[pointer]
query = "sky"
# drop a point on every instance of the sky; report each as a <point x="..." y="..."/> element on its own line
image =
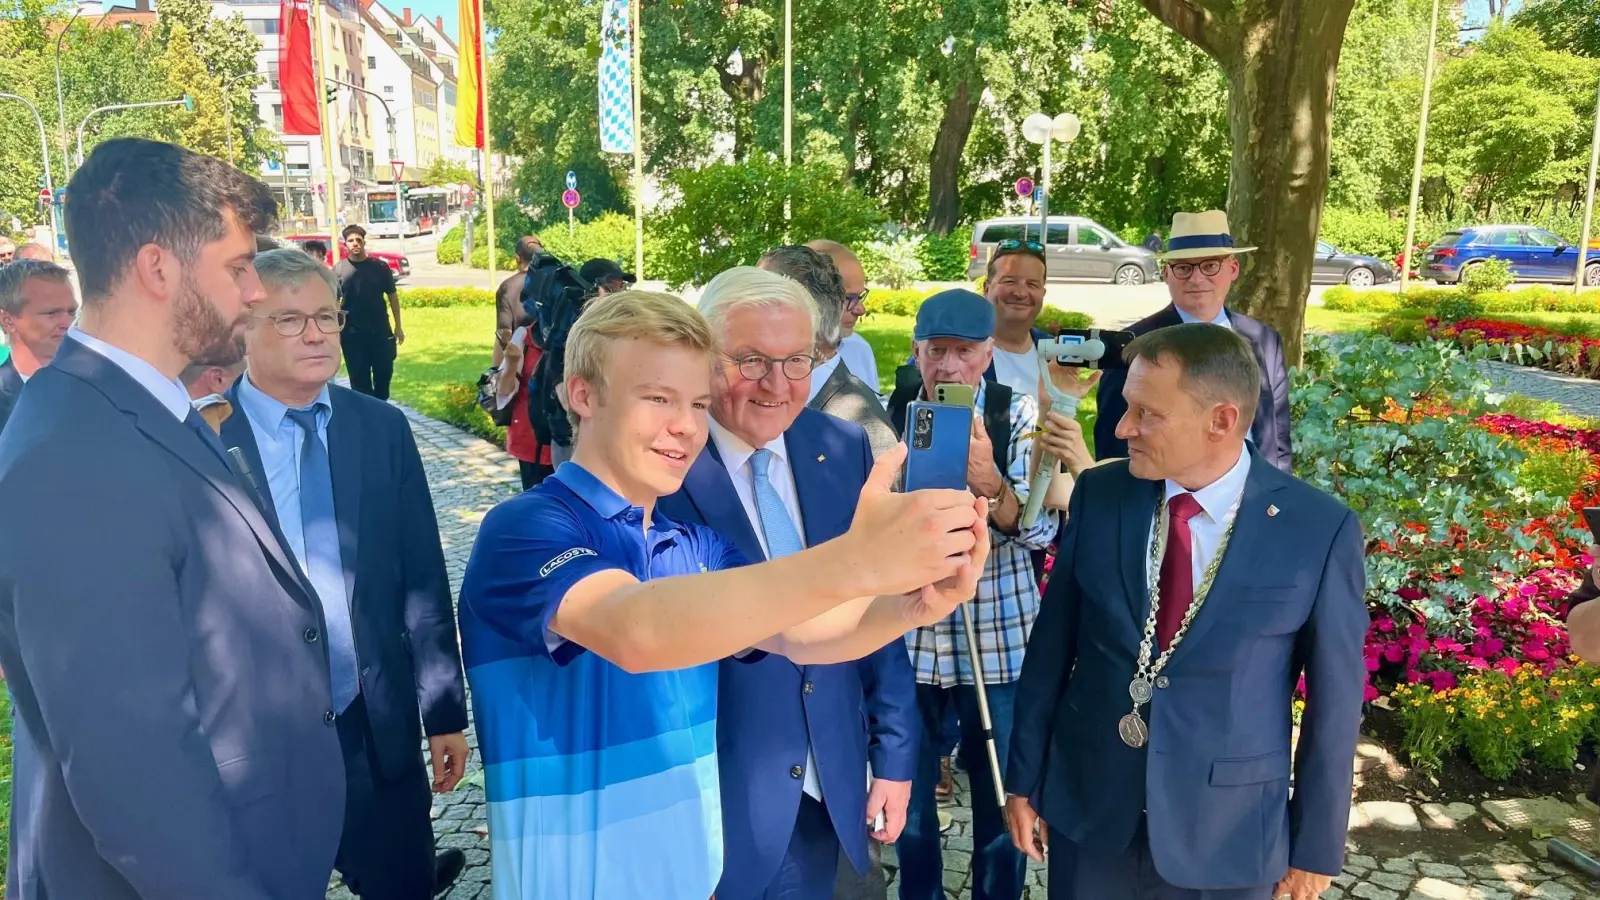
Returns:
<point x="428" y="9"/>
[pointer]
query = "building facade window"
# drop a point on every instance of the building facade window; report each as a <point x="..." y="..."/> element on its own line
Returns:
<point x="262" y="26"/>
<point x="277" y="116"/>
<point x="372" y="63"/>
<point x="272" y="74"/>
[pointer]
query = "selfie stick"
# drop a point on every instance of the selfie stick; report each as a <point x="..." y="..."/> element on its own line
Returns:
<point x="983" y="705"/>
<point x="1069" y="351"/>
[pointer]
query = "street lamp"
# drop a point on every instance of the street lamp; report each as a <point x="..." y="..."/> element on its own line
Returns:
<point x="61" y="104"/>
<point x="44" y="148"/>
<point x="1041" y="129"/>
<point x="394" y="154"/>
<point x="1416" y="165"/>
<point x="187" y="103"/>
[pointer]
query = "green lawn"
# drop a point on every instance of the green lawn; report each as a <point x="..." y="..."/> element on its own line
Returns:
<point x="443" y="347"/>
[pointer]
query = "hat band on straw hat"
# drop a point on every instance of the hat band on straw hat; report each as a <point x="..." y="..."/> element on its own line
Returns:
<point x="1199" y="241"/>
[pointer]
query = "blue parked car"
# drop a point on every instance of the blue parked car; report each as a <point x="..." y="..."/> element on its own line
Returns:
<point x="1534" y="254"/>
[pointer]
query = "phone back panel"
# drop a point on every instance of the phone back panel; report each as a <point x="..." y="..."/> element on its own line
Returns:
<point x="937" y="436"/>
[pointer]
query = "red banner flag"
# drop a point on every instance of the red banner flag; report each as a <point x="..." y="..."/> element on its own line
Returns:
<point x="297" y="81"/>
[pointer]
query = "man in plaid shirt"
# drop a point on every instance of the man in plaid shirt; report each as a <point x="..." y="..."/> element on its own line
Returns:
<point x="954" y="344"/>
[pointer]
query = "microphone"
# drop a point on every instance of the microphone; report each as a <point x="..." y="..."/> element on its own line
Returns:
<point x="244" y="468"/>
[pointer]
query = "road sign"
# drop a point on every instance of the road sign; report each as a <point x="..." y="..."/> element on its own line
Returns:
<point x="570" y="199"/>
<point x="1024" y="187"/>
<point x="1038" y="195"/>
<point x="572" y="181"/>
<point x="44" y="195"/>
<point x="399" y="169"/>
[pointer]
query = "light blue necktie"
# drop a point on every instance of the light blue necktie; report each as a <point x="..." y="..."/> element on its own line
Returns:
<point x="323" y="567"/>
<point x="782" y="539"/>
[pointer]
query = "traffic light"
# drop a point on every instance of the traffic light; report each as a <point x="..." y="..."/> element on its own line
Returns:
<point x="404" y="190"/>
<point x="41" y="182"/>
<point x="333" y="94"/>
<point x="188" y="103"/>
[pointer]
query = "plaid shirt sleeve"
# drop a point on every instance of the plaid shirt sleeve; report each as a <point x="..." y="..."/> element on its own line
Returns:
<point x="1008" y="594"/>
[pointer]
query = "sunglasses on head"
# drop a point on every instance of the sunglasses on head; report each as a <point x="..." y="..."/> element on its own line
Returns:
<point x="1012" y="245"/>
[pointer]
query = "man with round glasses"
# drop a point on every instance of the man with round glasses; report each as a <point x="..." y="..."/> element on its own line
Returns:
<point x="853" y="348"/>
<point x="794" y="742"/>
<point x="1200" y="266"/>
<point x="339" y="474"/>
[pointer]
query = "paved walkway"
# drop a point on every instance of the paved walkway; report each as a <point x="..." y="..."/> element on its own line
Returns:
<point x="1579" y="396"/>
<point x="469" y="476"/>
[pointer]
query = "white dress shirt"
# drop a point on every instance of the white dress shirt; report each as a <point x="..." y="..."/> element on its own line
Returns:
<point x="857" y="354"/>
<point x="1216" y="500"/>
<point x="170" y="393"/>
<point x="1221" y="319"/>
<point x="735" y="454"/>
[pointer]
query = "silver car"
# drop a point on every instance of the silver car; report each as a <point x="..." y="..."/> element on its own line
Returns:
<point x="1078" y="249"/>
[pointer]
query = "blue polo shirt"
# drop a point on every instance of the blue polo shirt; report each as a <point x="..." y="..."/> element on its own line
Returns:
<point x="602" y="785"/>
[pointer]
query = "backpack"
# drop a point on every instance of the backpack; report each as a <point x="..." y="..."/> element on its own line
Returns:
<point x="550" y="286"/>
<point x="545" y="413"/>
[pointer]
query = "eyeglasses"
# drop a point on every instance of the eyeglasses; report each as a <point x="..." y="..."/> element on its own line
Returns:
<point x="1182" y="270"/>
<point x="1012" y="245"/>
<point x="293" y="324"/>
<point x="852" y="301"/>
<point x="755" y="366"/>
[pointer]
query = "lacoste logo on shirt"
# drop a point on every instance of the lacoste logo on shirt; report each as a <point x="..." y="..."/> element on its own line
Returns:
<point x="563" y="559"/>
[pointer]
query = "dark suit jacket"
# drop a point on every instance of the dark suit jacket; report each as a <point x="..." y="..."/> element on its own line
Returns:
<point x="10" y="389"/>
<point x="849" y="398"/>
<point x="162" y="649"/>
<point x="767" y="710"/>
<point x="1269" y="432"/>
<point x="394" y="572"/>
<point x="1287" y="601"/>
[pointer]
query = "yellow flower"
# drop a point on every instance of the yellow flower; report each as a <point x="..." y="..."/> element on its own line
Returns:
<point x="1416" y="703"/>
<point x="1452" y="710"/>
<point x="1508" y="729"/>
<point x="1502" y="716"/>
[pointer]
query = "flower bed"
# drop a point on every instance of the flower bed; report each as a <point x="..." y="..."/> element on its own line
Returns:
<point x="1546" y="348"/>
<point x="1474" y="541"/>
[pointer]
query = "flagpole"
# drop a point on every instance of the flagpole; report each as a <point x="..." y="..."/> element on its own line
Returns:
<point x="318" y="20"/>
<point x="488" y="153"/>
<point x="638" y="140"/>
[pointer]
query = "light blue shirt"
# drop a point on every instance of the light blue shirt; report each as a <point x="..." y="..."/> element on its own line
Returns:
<point x="170" y="393"/>
<point x="279" y="440"/>
<point x="1221" y="319"/>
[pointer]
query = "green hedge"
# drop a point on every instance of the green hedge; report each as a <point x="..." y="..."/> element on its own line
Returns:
<point x="446" y="297"/>
<point x="1539" y="298"/>
<point x="1054" y="320"/>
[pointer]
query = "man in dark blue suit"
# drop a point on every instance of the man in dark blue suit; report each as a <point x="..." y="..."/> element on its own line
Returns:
<point x="36" y="309"/>
<point x="1195" y="585"/>
<point x="171" y="677"/>
<point x="1200" y="267"/>
<point x="340" y="474"/>
<point x="794" y="742"/>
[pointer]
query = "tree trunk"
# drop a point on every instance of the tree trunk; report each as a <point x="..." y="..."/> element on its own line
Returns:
<point x="944" y="164"/>
<point x="1280" y="57"/>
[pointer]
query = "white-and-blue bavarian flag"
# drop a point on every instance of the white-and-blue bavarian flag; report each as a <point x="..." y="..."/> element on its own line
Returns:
<point x="616" y="78"/>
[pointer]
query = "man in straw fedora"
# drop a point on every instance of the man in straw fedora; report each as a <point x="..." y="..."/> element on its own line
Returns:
<point x="1200" y="266"/>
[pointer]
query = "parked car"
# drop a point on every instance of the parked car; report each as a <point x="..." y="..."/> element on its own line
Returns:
<point x="399" y="264"/>
<point x="1533" y="253"/>
<point x="1334" y="266"/>
<point x="1078" y="249"/>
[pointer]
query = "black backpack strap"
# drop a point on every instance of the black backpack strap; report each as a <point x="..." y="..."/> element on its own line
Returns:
<point x="997" y="421"/>
<point x="907" y="387"/>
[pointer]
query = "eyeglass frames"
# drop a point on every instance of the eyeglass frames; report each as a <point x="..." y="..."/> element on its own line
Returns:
<point x="755" y="366"/>
<point x="293" y="324"/>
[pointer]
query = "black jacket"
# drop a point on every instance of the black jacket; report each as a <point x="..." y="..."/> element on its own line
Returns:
<point x="10" y="389"/>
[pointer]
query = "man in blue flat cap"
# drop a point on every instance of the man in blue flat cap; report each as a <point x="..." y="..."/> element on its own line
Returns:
<point x="954" y="344"/>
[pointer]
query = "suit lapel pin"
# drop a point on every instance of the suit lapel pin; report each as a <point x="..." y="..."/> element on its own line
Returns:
<point x="821" y="457"/>
<point x="1272" y="511"/>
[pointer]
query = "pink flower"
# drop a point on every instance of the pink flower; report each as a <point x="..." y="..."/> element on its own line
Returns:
<point x="1507" y="665"/>
<point x="1385" y="625"/>
<point x="1441" y="680"/>
<point x="1394" y="653"/>
<point x="1370" y="693"/>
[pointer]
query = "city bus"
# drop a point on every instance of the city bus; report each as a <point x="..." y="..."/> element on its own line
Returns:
<point x="425" y="209"/>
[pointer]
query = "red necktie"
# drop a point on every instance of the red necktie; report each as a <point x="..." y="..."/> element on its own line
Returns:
<point x="1177" y="568"/>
